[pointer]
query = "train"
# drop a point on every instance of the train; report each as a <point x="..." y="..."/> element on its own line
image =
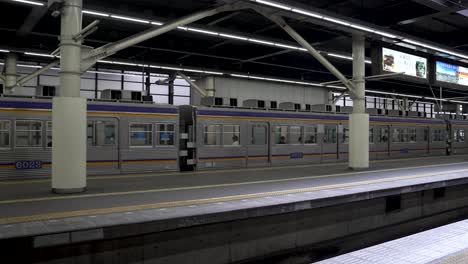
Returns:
<point x="127" y="138"/>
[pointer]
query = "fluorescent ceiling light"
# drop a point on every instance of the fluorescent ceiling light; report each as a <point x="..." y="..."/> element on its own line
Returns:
<point x="171" y="68"/>
<point x="273" y="4"/>
<point x="239" y="76"/>
<point x="4" y="51"/>
<point x="306" y="13"/>
<point x="286" y="46"/>
<point x="362" y="28"/>
<point x="130" y="19"/>
<point x="337" y="21"/>
<point x="29" y="2"/>
<point x="388" y="35"/>
<point x="94" y="13"/>
<point x="203" y="31"/>
<point x="29" y="66"/>
<point x="215" y="73"/>
<point x="156" y="23"/>
<point x="339" y="56"/>
<point x="233" y="36"/>
<point x="182" y="28"/>
<point x="40" y="54"/>
<point x="261" y="41"/>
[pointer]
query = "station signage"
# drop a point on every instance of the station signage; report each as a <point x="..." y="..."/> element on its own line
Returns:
<point x="397" y="61"/>
<point x="450" y="73"/>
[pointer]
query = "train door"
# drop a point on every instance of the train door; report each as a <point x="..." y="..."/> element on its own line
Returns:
<point x="427" y="139"/>
<point x="382" y="144"/>
<point x="343" y="142"/>
<point x="103" y="145"/>
<point x="258" y="150"/>
<point x="330" y="143"/>
<point x="449" y="138"/>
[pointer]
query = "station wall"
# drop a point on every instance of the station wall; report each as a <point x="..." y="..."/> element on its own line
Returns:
<point x="242" y="89"/>
<point x="93" y="82"/>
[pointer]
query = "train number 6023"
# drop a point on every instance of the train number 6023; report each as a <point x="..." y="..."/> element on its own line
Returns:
<point x="28" y="164"/>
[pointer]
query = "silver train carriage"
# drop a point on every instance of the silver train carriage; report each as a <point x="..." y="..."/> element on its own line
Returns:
<point x="138" y="138"/>
<point x="229" y="138"/>
<point x="121" y="138"/>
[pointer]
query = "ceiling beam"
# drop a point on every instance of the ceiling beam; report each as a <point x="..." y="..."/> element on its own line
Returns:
<point x="36" y="14"/>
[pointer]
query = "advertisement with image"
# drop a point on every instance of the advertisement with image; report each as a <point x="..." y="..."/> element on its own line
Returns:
<point x="450" y="73"/>
<point x="411" y="65"/>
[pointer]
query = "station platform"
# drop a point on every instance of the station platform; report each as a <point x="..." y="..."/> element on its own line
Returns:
<point x="444" y="245"/>
<point x="131" y="205"/>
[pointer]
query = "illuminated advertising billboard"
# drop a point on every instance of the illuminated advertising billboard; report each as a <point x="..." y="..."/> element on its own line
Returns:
<point x="411" y="65"/>
<point x="450" y="73"/>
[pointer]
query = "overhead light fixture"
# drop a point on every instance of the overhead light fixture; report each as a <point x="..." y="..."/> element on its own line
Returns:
<point x="307" y="13"/>
<point x="29" y="2"/>
<point x="346" y="57"/>
<point x="130" y="19"/>
<point x="4" y="51"/>
<point x="261" y="41"/>
<point x="233" y="36"/>
<point x="40" y="55"/>
<point x="203" y="31"/>
<point x="286" y="46"/>
<point x="273" y="4"/>
<point x="417" y="43"/>
<point x="94" y="13"/>
<point x="156" y="23"/>
<point x="212" y="72"/>
<point x="29" y="66"/>
<point x="337" y="21"/>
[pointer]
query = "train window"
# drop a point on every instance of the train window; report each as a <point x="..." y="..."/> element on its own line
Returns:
<point x="105" y="133"/>
<point x="231" y="135"/>
<point x="371" y="135"/>
<point x="330" y="135"/>
<point x="90" y="133"/>
<point x="281" y="135"/>
<point x="412" y="135"/>
<point x="165" y="134"/>
<point x="212" y="135"/>
<point x="455" y="135"/>
<point x="295" y="135"/>
<point x="383" y="135"/>
<point x="28" y="133"/>
<point x="141" y="134"/>
<point x="345" y="138"/>
<point x="49" y="134"/>
<point x="437" y="135"/>
<point x="259" y="135"/>
<point x="310" y="135"/>
<point x="403" y="135"/>
<point x="461" y="135"/>
<point x="4" y="134"/>
<point x="396" y="135"/>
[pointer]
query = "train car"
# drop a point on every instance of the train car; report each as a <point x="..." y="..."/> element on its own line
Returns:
<point x="121" y="137"/>
<point x="457" y="143"/>
<point x="236" y="137"/>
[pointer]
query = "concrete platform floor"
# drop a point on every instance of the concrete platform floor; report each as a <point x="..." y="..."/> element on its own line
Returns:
<point x="32" y="200"/>
<point x="444" y="245"/>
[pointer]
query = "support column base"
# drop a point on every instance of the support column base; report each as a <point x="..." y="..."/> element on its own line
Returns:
<point x="358" y="141"/>
<point x="68" y="191"/>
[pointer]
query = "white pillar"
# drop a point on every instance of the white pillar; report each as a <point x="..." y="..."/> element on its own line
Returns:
<point x="69" y="109"/>
<point x="11" y="74"/>
<point x="359" y="119"/>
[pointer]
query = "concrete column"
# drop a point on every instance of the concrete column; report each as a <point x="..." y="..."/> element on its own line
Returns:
<point x="210" y="86"/>
<point x="69" y="110"/>
<point x="11" y="74"/>
<point x="359" y="120"/>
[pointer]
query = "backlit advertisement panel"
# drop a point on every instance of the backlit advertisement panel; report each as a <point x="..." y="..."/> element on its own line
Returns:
<point x="450" y="73"/>
<point x="411" y="65"/>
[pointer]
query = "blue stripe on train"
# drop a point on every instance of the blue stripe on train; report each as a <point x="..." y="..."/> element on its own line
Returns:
<point x="91" y="107"/>
<point x="304" y="116"/>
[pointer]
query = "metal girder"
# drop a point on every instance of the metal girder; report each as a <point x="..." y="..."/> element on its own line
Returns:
<point x="36" y="14"/>
<point x="185" y="77"/>
<point x="36" y="73"/>
<point x="107" y="50"/>
<point x="297" y="37"/>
